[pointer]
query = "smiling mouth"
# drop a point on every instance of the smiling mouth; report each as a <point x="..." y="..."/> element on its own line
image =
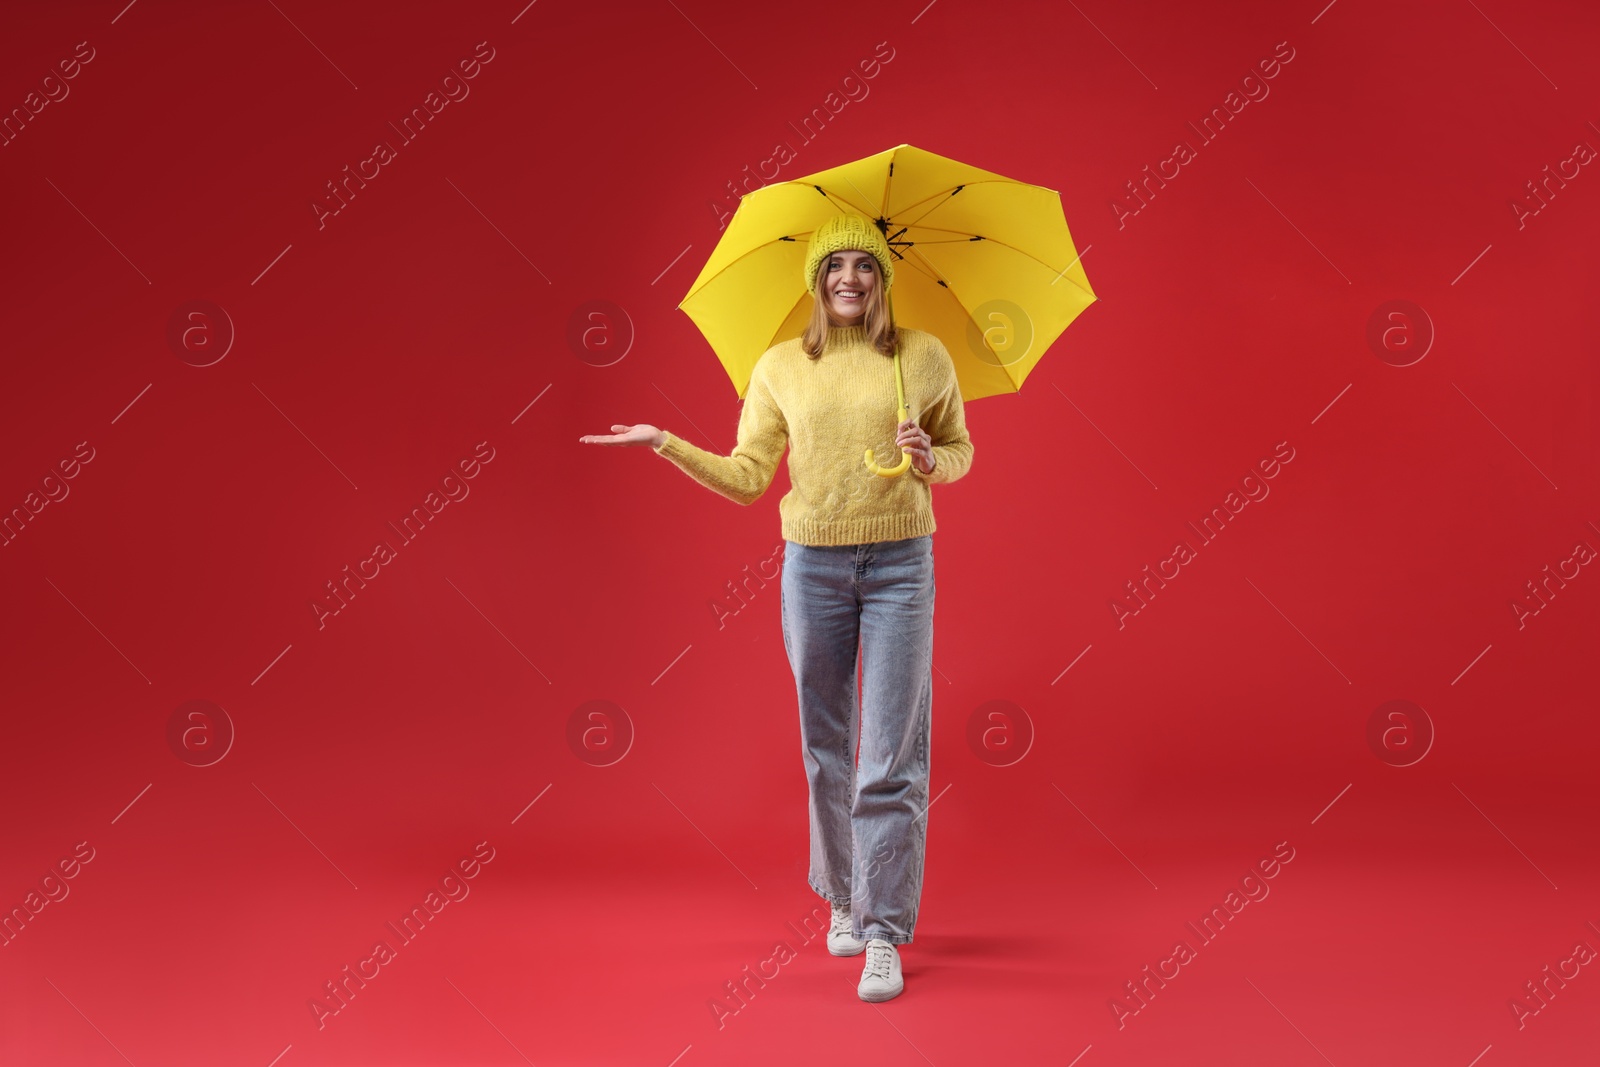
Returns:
<point x="847" y="294"/>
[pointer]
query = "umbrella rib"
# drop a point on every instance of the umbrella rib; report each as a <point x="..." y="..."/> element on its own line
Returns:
<point x="1076" y="259"/>
<point x="947" y="193"/>
<point x="752" y="250"/>
<point x="888" y="177"/>
<point x="950" y="290"/>
<point x="930" y="273"/>
<point x="991" y="240"/>
<point x="831" y="197"/>
<point x="935" y="275"/>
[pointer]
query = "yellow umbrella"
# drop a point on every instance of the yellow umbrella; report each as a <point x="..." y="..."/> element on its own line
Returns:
<point x="982" y="261"/>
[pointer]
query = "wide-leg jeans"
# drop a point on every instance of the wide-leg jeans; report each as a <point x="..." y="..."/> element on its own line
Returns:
<point x="869" y="822"/>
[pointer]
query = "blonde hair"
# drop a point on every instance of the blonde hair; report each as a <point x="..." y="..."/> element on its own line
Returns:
<point x="881" y="331"/>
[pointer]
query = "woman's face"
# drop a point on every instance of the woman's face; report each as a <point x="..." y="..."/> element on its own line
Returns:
<point x="848" y="284"/>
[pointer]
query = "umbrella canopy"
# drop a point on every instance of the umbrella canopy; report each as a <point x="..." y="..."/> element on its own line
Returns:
<point x="983" y="262"/>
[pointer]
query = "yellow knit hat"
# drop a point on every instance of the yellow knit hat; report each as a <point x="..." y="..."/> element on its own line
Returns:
<point x="844" y="231"/>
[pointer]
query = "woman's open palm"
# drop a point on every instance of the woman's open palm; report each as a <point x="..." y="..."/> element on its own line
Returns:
<point x="640" y="434"/>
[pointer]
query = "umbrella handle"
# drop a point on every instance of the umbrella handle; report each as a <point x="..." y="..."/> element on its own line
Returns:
<point x="898" y="469"/>
<point x="900" y="394"/>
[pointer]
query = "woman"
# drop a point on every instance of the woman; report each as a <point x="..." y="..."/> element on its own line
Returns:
<point x="858" y="567"/>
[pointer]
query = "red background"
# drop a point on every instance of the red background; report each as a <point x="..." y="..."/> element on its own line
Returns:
<point x="433" y="313"/>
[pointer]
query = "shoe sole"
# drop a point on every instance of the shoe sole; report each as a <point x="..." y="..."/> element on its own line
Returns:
<point x="878" y="998"/>
<point x="851" y="952"/>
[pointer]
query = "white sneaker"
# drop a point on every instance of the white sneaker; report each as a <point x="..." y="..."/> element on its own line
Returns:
<point x="881" y="979"/>
<point x="840" y="940"/>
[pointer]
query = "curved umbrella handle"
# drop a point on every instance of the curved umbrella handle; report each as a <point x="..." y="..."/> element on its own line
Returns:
<point x="905" y="457"/>
<point x="900" y="395"/>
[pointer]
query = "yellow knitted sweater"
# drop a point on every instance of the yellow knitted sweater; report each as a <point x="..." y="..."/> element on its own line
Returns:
<point x="830" y="410"/>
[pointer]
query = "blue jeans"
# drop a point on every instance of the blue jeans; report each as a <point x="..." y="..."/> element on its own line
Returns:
<point x="868" y="823"/>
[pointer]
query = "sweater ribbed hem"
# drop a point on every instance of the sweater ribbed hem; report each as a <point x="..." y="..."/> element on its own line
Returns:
<point x="861" y="531"/>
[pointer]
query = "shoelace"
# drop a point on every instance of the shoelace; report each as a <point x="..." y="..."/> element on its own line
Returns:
<point x="879" y="958"/>
<point x="841" y="920"/>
